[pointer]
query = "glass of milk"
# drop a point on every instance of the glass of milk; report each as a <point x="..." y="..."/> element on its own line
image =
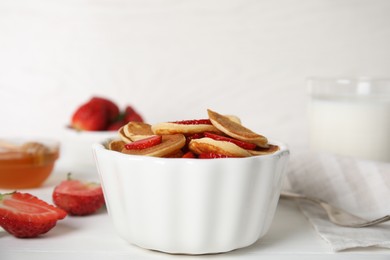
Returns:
<point x="350" y="116"/>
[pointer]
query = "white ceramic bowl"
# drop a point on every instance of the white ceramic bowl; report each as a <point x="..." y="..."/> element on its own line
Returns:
<point x="191" y="206"/>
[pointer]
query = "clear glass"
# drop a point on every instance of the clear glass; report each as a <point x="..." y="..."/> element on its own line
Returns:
<point x="350" y="116"/>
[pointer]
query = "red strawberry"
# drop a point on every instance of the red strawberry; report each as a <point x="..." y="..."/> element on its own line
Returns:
<point x="242" y="144"/>
<point x="90" y="117"/>
<point x="111" y="108"/>
<point x="144" y="143"/>
<point x="194" y="122"/>
<point x="130" y="115"/>
<point x="189" y="138"/>
<point x="194" y="136"/>
<point x="24" y="215"/>
<point x="78" y="198"/>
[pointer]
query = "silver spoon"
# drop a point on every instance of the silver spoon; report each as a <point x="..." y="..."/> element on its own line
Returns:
<point x="337" y="216"/>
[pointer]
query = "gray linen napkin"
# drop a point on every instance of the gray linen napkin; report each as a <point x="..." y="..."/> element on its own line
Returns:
<point x="358" y="186"/>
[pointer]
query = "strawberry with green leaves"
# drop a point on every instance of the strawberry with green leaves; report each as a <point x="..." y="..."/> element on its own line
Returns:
<point x="25" y="216"/>
<point x="78" y="198"/>
<point x="102" y="114"/>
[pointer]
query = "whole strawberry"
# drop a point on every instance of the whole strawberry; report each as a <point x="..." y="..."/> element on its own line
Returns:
<point x="90" y="117"/>
<point x="78" y="198"/>
<point x="25" y="216"/>
<point x="111" y="108"/>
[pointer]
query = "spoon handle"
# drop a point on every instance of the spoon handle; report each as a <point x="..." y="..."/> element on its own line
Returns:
<point x="291" y="195"/>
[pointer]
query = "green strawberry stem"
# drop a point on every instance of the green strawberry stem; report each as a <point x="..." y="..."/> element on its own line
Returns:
<point x="2" y="195"/>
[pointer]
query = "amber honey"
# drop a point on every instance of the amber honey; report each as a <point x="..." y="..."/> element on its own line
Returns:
<point x="21" y="169"/>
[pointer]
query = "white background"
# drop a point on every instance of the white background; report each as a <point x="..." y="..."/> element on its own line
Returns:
<point x="172" y="59"/>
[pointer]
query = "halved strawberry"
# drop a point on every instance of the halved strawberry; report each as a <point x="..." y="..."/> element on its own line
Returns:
<point x="212" y="156"/>
<point x="144" y="143"/>
<point x="242" y="144"/>
<point x="194" y="122"/>
<point x="24" y="215"/>
<point x="89" y="117"/>
<point x="194" y="136"/>
<point x="111" y="108"/>
<point x="78" y="198"/>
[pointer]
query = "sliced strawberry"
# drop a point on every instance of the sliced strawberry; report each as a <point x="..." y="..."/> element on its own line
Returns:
<point x="111" y="108"/>
<point x="89" y="117"/>
<point x="242" y="144"/>
<point x="144" y="143"/>
<point x="194" y="136"/>
<point x="194" y="122"/>
<point x="189" y="138"/>
<point x="212" y="156"/>
<point x="189" y="154"/>
<point x="78" y="198"/>
<point x="130" y="115"/>
<point x="24" y="215"/>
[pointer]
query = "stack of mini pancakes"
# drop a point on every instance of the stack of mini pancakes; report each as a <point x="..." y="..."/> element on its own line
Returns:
<point x="183" y="136"/>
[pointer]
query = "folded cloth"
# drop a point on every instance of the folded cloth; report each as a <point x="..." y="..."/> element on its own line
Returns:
<point x="358" y="186"/>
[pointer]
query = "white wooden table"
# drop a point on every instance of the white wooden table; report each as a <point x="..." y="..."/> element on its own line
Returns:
<point x="93" y="237"/>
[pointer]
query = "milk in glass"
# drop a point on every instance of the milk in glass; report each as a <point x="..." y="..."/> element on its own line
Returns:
<point x="350" y="117"/>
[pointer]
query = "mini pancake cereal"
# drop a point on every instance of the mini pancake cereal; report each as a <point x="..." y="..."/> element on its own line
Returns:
<point x="218" y="136"/>
<point x="137" y="130"/>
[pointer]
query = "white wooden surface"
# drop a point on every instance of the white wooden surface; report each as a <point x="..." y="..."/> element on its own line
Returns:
<point x="173" y="59"/>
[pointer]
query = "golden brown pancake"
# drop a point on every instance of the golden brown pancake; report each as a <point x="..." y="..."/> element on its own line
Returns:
<point x="116" y="145"/>
<point x="264" y="151"/>
<point x="174" y="128"/>
<point x="123" y="136"/>
<point x="137" y="130"/>
<point x="208" y="145"/>
<point x="236" y="130"/>
<point x="175" y="154"/>
<point x="234" y="118"/>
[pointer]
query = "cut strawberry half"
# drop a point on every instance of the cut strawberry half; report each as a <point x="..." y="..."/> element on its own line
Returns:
<point x="144" y="143"/>
<point x="194" y="122"/>
<point x="24" y="215"/>
<point x="212" y="156"/>
<point x="78" y="198"/>
<point x="242" y="144"/>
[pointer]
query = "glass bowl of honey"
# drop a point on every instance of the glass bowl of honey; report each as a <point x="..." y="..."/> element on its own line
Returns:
<point x="26" y="163"/>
